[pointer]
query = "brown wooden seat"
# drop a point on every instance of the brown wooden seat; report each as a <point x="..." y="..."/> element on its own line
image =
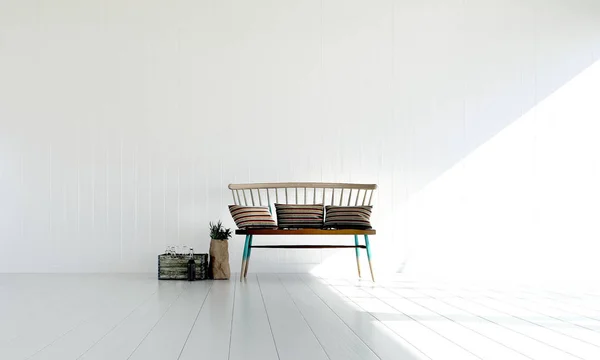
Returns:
<point x="305" y="232"/>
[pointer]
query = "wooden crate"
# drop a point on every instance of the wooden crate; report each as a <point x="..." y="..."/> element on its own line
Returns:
<point x="175" y="268"/>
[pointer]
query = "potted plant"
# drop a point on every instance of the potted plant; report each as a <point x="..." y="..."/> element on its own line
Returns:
<point x="219" y="251"/>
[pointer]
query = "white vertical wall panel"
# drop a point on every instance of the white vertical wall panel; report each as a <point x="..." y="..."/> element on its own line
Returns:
<point x="122" y="122"/>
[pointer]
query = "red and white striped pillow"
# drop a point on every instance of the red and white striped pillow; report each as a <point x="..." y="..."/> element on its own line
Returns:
<point x="251" y="217"/>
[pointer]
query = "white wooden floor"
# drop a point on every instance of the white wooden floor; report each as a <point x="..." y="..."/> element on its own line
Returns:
<point x="110" y="317"/>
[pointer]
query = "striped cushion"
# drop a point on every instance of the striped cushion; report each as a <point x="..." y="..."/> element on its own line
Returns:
<point x="251" y="217"/>
<point x="348" y="217"/>
<point x="299" y="216"/>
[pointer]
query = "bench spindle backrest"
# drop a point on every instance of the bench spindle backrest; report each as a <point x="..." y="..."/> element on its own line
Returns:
<point x="303" y="193"/>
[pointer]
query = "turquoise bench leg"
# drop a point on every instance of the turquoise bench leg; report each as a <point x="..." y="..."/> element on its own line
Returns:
<point x="369" y="256"/>
<point x="357" y="255"/>
<point x="248" y="257"/>
<point x="244" y="257"/>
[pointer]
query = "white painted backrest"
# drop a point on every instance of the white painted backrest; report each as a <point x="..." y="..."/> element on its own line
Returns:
<point x="265" y="194"/>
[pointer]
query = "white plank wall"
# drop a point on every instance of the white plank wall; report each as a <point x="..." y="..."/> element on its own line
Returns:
<point x="122" y="122"/>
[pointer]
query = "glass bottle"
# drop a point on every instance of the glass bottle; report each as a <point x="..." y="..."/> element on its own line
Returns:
<point x="191" y="266"/>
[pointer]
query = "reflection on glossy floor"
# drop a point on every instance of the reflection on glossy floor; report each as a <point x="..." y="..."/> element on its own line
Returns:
<point x="287" y="316"/>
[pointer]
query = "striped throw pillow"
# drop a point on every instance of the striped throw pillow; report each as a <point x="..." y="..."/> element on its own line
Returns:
<point x="300" y="216"/>
<point x="348" y="217"/>
<point x="251" y="217"/>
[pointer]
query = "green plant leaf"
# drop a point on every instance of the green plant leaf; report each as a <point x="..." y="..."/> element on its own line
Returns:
<point x="218" y="232"/>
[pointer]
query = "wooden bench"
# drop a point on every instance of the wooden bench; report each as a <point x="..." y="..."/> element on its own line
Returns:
<point x="266" y="194"/>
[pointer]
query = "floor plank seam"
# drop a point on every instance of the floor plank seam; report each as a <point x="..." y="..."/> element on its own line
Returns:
<point x="195" y="320"/>
<point x="117" y="325"/>
<point x="546" y="315"/>
<point x="493" y="322"/>
<point x="462" y="325"/>
<point x="530" y="322"/>
<point x="558" y="302"/>
<point x="232" y="317"/>
<point x="157" y="322"/>
<point x="389" y="328"/>
<point x="268" y="319"/>
<point x="85" y="320"/>
<point x="16" y="336"/>
<point x="526" y="309"/>
<point x="339" y="317"/>
<point x="56" y="339"/>
<point x="565" y="310"/>
<point x="303" y="317"/>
